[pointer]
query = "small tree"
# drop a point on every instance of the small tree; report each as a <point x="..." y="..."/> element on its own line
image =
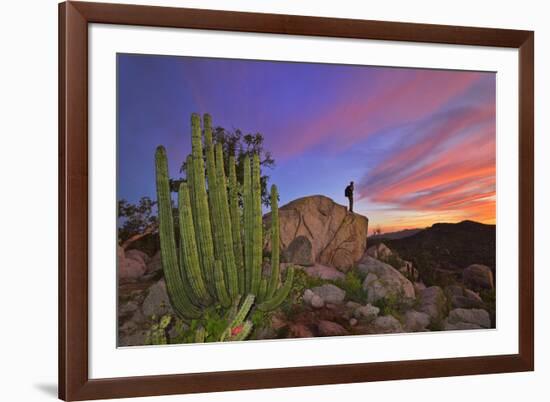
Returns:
<point x="234" y="143"/>
<point x="136" y="220"/>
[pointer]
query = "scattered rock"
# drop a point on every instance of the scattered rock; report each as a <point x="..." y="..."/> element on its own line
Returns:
<point x="470" y="294"/>
<point x="432" y="301"/>
<point x="137" y="338"/>
<point x="419" y="287"/>
<point x="329" y="328"/>
<point x="298" y="252"/>
<point x="138" y="255"/>
<point x="353" y="322"/>
<point x="387" y="325"/>
<point x="313" y="299"/>
<point x="299" y="330"/>
<point x="155" y="263"/>
<point x="366" y="313"/>
<point x="352" y="305"/>
<point x="459" y="326"/>
<point x="129" y="269"/>
<point x="463" y="298"/>
<point x="382" y="281"/>
<point x="478" y="276"/>
<point x="127" y="308"/>
<point x="337" y="237"/>
<point x="317" y="301"/>
<point x="416" y="321"/>
<point x="308" y="294"/>
<point x="138" y="317"/>
<point x="379" y="251"/>
<point x="477" y="317"/>
<point x="330" y="293"/>
<point x="324" y="272"/>
<point x="157" y="302"/>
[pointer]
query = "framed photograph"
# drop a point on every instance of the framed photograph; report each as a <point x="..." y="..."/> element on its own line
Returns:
<point x="258" y="200"/>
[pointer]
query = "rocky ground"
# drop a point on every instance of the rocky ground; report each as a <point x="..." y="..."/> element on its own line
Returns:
<point x="341" y="287"/>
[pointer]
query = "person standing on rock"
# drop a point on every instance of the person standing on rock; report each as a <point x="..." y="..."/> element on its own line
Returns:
<point x="349" y="194"/>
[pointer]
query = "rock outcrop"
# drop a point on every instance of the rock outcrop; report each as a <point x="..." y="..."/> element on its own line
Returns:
<point x="478" y="276"/>
<point x="433" y="302"/>
<point x="131" y="264"/>
<point x="384" y="281"/>
<point x="460" y="318"/>
<point x="463" y="298"/>
<point x="337" y="237"/>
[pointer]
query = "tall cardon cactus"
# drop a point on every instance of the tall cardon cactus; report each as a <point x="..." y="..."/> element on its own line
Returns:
<point x="219" y="256"/>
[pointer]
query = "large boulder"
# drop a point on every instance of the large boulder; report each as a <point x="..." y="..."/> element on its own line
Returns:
<point x="338" y="238"/>
<point x="324" y="272"/>
<point x="416" y="321"/>
<point x="463" y="298"/>
<point x="461" y="318"/>
<point x="314" y="300"/>
<point x="433" y="302"/>
<point x="330" y="293"/>
<point x="155" y="263"/>
<point x="383" y="253"/>
<point x="478" y="276"/>
<point x="379" y="251"/>
<point x="138" y="255"/>
<point x="366" y="313"/>
<point x="387" y="324"/>
<point x="330" y="328"/>
<point x="157" y="301"/>
<point x="384" y="281"/>
<point x="129" y="269"/>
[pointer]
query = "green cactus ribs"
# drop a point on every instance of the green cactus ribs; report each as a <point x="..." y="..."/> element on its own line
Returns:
<point x="217" y="257"/>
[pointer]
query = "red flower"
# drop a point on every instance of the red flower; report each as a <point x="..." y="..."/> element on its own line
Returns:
<point x="236" y="330"/>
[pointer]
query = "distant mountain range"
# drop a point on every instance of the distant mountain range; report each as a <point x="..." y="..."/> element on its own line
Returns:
<point x="395" y="235"/>
<point x="445" y="247"/>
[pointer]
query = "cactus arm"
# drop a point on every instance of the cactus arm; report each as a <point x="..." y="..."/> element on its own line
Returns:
<point x="236" y="223"/>
<point x="176" y="290"/>
<point x="281" y="294"/>
<point x="247" y="206"/>
<point x="188" y="245"/>
<point x="256" y="225"/>
<point x="190" y="181"/>
<point x="219" y="282"/>
<point x="239" y="316"/>
<point x="230" y="268"/>
<point x="274" y="278"/>
<point x="262" y="291"/>
<point x="247" y="304"/>
<point x="245" y="331"/>
<point x="213" y="187"/>
<point x="203" y="231"/>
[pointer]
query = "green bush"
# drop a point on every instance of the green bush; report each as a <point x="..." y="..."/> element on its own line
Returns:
<point x="353" y="285"/>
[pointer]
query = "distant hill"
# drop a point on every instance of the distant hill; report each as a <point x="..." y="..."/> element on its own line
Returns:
<point x="395" y="235"/>
<point x="446" y="247"/>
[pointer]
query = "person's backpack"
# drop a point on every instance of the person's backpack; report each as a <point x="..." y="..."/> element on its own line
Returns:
<point x="347" y="192"/>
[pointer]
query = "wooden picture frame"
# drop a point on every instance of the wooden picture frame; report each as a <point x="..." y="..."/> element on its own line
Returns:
<point x="74" y="381"/>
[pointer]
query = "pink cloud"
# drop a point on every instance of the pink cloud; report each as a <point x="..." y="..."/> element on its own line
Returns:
<point x="396" y="97"/>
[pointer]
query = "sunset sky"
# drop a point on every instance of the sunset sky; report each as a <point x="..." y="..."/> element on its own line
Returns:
<point x="419" y="144"/>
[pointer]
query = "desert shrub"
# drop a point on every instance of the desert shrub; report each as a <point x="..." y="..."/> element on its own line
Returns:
<point x="392" y="304"/>
<point x="353" y="285"/>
